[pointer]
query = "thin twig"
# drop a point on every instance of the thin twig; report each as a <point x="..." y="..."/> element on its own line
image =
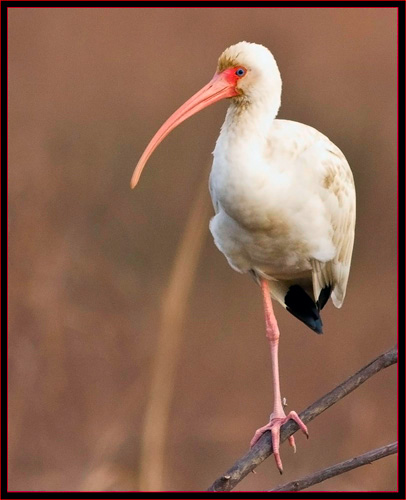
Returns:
<point x="335" y="470"/>
<point x="263" y="448"/>
<point x="174" y="306"/>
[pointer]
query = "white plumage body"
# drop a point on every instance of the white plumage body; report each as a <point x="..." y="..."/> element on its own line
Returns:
<point x="285" y="204"/>
<point x="283" y="193"/>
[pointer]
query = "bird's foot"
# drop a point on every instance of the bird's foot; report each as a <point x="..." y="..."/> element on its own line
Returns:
<point x="274" y="425"/>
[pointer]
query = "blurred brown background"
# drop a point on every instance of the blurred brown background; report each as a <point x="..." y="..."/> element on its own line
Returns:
<point x="90" y="260"/>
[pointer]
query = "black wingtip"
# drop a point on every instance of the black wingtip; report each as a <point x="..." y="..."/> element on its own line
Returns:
<point x="318" y="327"/>
<point x="303" y="307"/>
<point x="324" y="295"/>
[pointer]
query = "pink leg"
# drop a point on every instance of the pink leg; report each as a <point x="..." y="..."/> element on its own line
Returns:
<point x="278" y="416"/>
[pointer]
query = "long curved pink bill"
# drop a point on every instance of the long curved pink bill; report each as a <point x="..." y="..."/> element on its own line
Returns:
<point x="218" y="88"/>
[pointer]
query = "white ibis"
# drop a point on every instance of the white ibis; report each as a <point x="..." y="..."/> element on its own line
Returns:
<point x="284" y="199"/>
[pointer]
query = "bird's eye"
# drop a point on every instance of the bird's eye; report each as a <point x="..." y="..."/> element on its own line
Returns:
<point x="240" y="72"/>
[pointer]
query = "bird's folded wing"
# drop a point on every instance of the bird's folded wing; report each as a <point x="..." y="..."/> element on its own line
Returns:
<point x="338" y="185"/>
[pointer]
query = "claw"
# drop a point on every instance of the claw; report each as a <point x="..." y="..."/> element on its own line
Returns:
<point x="278" y="462"/>
<point x="292" y="443"/>
<point x="258" y="434"/>
<point x="275" y="431"/>
<point x="294" y="416"/>
<point x="274" y="426"/>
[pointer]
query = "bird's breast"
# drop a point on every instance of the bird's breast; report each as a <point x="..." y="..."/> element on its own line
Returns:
<point x="249" y="188"/>
<point x="267" y="217"/>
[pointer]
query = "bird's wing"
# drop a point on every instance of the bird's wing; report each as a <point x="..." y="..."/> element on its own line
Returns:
<point x="336" y="188"/>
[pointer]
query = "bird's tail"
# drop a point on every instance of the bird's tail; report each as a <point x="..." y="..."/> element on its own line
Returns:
<point x="298" y="301"/>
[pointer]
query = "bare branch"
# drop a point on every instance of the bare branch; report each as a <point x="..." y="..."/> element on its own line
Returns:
<point x="335" y="470"/>
<point x="263" y="448"/>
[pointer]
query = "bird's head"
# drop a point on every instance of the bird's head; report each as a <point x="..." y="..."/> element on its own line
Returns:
<point x="253" y="71"/>
<point x="246" y="73"/>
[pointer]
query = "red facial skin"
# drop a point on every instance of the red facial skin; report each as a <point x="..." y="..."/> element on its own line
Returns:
<point x="231" y="77"/>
